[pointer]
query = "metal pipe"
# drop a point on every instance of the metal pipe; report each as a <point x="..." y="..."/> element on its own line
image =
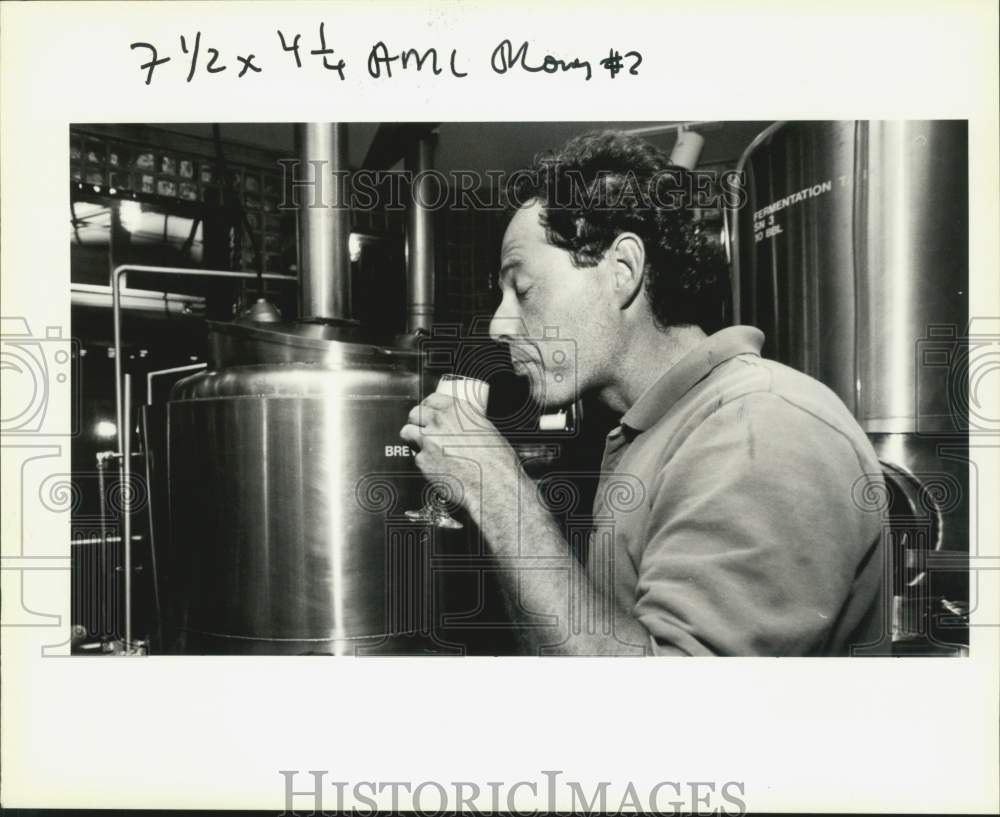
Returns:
<point x="173" y="370"/>
<point x="126" y="499"/>
<point x="653" y="130"/>
<point x="166" y="304"/>
<point x="101" y="485"/>
<point x="420" y="240"/>
<point x="733" y="221"/>
<point x="324" y="221"/>
<point x="116" y="307"/>
<point x="152" y="531"/>
<point x="121" y="400"/>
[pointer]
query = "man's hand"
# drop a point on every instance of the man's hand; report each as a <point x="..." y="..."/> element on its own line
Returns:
<point x="456" y="444"/>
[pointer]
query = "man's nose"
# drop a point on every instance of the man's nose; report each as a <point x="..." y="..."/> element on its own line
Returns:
<point x="506" y="324"/>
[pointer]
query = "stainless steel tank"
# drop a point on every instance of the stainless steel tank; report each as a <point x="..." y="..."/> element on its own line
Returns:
<point x="288" y="484"/>
<point x="851" y="254"/>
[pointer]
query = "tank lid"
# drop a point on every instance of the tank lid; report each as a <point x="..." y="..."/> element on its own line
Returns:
<point x="335" y="345"/>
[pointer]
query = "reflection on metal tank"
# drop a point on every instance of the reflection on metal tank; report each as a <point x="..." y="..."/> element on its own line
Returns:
<point x="287" y="532"/>
<point x="851" y="254"/>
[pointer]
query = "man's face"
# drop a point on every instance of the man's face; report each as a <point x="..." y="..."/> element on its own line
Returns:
<point x="556" y="317"/>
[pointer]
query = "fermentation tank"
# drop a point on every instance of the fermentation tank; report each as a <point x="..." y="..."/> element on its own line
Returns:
<point x="287" y="483"/>
<point x="851" y="254"/>
<point x="288" y="486"/>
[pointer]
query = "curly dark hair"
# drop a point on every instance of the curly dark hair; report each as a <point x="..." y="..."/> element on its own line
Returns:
<point x="604" y="183"/>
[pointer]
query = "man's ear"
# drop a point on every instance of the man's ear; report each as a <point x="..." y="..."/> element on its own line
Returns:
<point x="627" y="255"/>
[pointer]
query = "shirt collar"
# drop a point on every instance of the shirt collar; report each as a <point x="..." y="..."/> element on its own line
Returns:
<point x="683" y="375"/>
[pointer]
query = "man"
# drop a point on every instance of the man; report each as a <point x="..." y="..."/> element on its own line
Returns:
<point x="736" y="527"/>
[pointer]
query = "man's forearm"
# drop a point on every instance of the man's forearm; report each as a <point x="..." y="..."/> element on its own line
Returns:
<point x="550" y="596"/>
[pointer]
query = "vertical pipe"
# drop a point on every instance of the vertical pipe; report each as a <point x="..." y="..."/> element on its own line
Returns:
<point x="420" y="240"/>
<point x="102" y="552"/>
<point x="152" y="527"/>
<point x="746" y="313"/>
<point x="126" y="502"/>
<point x="324" y="221"/>
<point x="117" y="276"/>
<point x="123" y="395"/>
<point x="859" y="263"/>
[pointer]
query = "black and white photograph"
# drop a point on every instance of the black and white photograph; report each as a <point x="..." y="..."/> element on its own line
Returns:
<point x="471" y="407"/>
<point x="700" y="382"/>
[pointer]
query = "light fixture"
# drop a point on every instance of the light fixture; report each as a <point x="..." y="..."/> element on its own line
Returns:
<point x="687" y="149"/>
<point x="105" y="429"/>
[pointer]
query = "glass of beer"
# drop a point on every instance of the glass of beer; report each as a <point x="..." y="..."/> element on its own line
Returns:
<point x="476" y="393"/>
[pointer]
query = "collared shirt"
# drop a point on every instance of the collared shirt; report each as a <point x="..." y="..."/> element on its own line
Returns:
<point x="730" y="517"/>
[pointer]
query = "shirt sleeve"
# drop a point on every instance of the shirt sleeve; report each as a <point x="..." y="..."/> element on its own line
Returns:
<point x="755" y="537"/>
